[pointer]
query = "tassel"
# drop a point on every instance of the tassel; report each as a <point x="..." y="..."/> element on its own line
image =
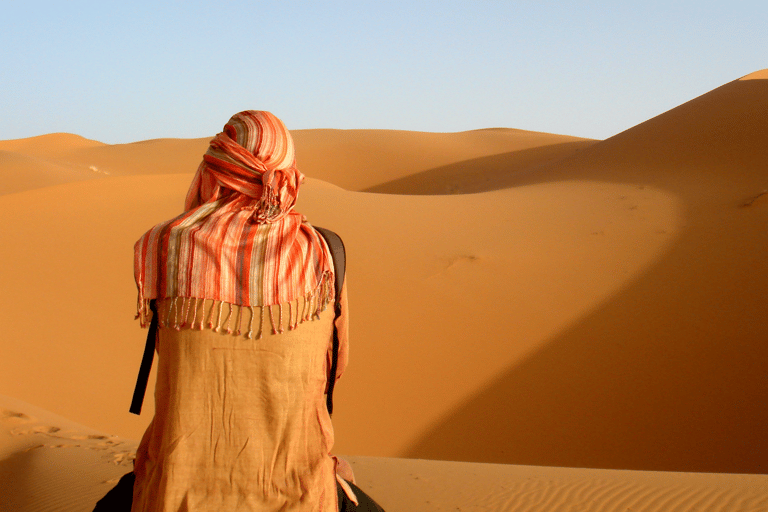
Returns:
<point x="202" y="313"/>
<point x="177" y="311"/>
<point x="218" y="318"/>
<point x="140" y="315"/>
<point x="142" y="308"/>
<point x="250" y="325"/>
<point x="228" y="319"/>
<point x="272" y="319"/>
<point x="239" y="320"/>
<point x="168" y="316"/>
<point x="184" y="306"/>
<point x="194" y="316"/>
<point x="210" y="314"/>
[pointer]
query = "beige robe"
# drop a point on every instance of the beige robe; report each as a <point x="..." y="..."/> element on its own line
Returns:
<point x="241" y="424"/>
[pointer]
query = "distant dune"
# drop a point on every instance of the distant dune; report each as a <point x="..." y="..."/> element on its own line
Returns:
<point x="516" y="298"/>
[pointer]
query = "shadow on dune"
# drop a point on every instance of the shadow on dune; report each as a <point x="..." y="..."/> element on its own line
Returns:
<point x="17" y="488"/>
<point x="670" y="373"/>
<point x="483" y="174"/>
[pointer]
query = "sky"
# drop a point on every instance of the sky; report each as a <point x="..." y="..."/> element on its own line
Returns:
<point x="120" y="72"/>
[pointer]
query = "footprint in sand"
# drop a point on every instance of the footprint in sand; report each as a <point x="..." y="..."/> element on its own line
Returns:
<point x="117" y="454"/>
<point x="124" y="458"/>
<point x="41" y="429"/>
<point x="8" y="416"/>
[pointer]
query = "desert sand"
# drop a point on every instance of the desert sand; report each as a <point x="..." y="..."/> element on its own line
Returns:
<point x="574" y="324"/>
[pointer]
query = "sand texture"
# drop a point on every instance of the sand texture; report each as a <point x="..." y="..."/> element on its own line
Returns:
<point x="518" y="299"/>
<point x="51" y="464"/>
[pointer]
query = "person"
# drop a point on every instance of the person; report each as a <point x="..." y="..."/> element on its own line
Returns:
<point x="240" y="283"/>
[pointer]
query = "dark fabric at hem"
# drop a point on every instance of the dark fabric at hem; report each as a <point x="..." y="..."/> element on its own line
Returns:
<point x="366" y="503"/>
<point x="119" y="498"/>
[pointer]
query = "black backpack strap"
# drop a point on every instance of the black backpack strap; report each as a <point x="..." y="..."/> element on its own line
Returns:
<point x="146" y="362"/>
<point x="338" y="253"/>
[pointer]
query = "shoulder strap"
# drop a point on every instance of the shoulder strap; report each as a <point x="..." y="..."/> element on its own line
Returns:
<point x="146" y="362"/>
<point x="338" y="253"/>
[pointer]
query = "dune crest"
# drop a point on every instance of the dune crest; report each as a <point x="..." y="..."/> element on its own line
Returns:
<point x="51" y="143"/>
<point x="366" y="159"/>
<point x="757" y="75"/>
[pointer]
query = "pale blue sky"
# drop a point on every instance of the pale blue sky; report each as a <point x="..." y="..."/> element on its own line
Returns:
<point x="129" y="71"/>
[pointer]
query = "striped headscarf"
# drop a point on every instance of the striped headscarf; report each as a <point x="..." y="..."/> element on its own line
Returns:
<point x="238" y="242"/>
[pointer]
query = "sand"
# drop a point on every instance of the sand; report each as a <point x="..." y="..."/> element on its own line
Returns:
<point x="521" y="303"/>
<point x="49" y="463"/>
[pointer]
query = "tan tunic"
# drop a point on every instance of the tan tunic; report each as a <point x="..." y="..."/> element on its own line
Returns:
<point x="241" y="424"/>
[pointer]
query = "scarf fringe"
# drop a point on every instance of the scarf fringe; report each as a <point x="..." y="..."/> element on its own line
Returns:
<point x="224" y="317"/>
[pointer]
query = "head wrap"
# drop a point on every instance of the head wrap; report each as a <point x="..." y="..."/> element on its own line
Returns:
<point x="238" y="242"/>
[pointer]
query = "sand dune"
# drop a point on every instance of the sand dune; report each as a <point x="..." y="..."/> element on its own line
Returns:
<point x="22" y="172"/>
<point x="58" y="158"/>
<point x="466" y="285"/>
<point x="351" y="159"/>
<point x="482" y="174"/>
<point x="362" y="159"/>
<point x="600" y="304"/>
<point x="669" y="373"/>
<point x="48" y="463"/>
<point x="52" y="145"/>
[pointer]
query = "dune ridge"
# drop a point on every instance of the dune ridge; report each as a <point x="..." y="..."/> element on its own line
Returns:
<point x="363" y="159"/>
<point x="484" y="174"/>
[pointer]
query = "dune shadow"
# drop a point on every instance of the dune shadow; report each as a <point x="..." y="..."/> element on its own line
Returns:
<point x="670" y="373"/>
<point x="482" y="174"/>
<point x="17" y="486"/>
<point x="652" y="381"/>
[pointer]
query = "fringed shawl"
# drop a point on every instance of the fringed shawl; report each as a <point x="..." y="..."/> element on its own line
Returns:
<point x="238" y="242"/>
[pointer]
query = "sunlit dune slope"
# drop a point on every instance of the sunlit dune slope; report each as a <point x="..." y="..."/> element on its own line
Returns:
<point x="389" y="161"/>
<point x="21" y="172"/>
<point x="670" y="372"/>
<point x="157" y="156"/>
<point x="455" y="273"/>
<point x="471" y="265"/>
<point x="482" y="174"/>
<point x="715" y="137"/>
<point x="37" y="161"/>
<point x="395" y="161"/>
<point x="62" y="158"/>
<point x="52" y="145"/>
